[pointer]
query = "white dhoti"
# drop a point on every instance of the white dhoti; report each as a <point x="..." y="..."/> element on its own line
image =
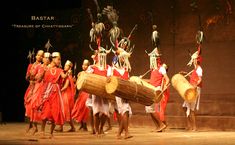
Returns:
<point x="193" y="105"/>
<point x="89" y="101"/>
<point x="123" y="106"/>
<point x="151" y="108"/>
<point x="100" y="105"/>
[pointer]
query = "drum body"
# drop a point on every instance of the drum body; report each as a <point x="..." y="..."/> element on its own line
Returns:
<point x="184" y="88"/>
<point x="158" y="91"/>
<point x="133" y="91"/>
<point x="93" y="84"/>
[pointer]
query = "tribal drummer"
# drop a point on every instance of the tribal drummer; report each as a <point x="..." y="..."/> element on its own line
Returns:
<point x="121" y="68"/>
<point x="196" y="81"/>
<point x="100" y="106"/>
<point x="160" y="80"/>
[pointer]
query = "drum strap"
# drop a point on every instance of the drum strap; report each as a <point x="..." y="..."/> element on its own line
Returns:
<point x="137" y="99"/>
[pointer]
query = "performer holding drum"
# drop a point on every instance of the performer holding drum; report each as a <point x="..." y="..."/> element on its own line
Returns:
<point x="196" y="81"/>
<point x="190" y="91"/>
<point x="100" y="105"/>
<point x="121" y="68"/>
<point x="160" y="81"/>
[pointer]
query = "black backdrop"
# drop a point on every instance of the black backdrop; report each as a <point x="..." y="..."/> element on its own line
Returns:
<point x="15" y="44"/>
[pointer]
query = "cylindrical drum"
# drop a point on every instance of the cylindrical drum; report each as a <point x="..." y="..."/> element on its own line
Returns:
<point x="132" y="91"/>
<point x="184" y="88"/>
<point x="93" y="84"/>
<point x="142" y="82"/>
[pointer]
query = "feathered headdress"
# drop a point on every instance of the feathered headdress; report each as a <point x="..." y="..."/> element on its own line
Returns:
<point x="113" y="17"/>
<point x="155" y="36"/>
<point x="33" y="54"/>
<point x="48" y="45"/>
<point x="199" y="37"/>
<point x="30" y="56"/>
<point x="111" y="14"/>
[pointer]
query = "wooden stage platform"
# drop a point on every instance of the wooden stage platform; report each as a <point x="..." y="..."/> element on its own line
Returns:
<point x="14" y="134"/>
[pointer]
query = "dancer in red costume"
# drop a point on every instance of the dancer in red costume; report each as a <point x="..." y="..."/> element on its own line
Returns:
<point x="157" y="78"/>
<point x="68" y="93"/>
<point x="52" y="108"/>
<point x="35" y="115"/>
<point x="160" y="107"/>
<point x="100" y="106"/>
<point x="30" y="76"/>
<point x="196" y="80"/>
<point x="80" y="112"/>
<point x="121" y="69"/>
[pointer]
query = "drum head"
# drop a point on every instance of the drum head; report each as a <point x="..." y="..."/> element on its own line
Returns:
<point x="80" y="80"/>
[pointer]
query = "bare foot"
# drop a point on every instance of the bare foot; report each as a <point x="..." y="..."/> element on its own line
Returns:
<point x="119" y="136"/>
<point x="107" y="129"/>
<point x="72" y="130"/>
<point x="85" y="129"/>
<point x="51" y="136"/>
<point x="154" y="130"/>
<point x="101" y="132"/>
<point x="194" y="130"/>
<point x="188" y="128"/>
<point x="59" y="130"/>
<point x="35" y="130"/>
<point x="93" y="132"/>
<point x="42" y="135"/>
<point x="127" y="136"/>
<point x="28" y="128"/>
<point x="161" y="128"/>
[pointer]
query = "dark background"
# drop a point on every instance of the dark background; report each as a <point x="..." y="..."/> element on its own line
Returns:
<point x="177" y="20"/>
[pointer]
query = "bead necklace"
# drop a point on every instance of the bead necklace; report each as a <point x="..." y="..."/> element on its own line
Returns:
<point x="53" y="73"/>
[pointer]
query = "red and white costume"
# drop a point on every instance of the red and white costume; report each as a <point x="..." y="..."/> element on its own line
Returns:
<point x="156" y="79"/>
<point x="52" y="107"/>
<point x="193" y="80"/>
<point x="99" y="104"/>
<point x="122" y="104"/>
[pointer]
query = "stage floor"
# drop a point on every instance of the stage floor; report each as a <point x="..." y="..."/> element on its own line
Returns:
<point x="14" y="134"/>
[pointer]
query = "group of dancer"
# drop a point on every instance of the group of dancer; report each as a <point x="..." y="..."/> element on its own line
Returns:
<point x="50" y="94"/>
<point x="49" y="98"/>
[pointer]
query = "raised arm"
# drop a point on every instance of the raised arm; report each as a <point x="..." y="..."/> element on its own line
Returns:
<point x="64" y="75"/>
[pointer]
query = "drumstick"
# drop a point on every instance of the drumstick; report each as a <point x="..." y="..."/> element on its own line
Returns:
<point x="188" y="73"/>
<point x="146" y="73"/>
<point x="164" y="90"/>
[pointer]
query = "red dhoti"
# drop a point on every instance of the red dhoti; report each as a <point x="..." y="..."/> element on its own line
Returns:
<point x="52" y="103"/>
<point x="160" y="108"/>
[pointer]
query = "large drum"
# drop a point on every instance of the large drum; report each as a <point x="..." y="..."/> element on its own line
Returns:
<point x="142" y="82"/>
<point x="93" y="84"/>
<point x="184" y="88"/>
<point x="132" y="91"/>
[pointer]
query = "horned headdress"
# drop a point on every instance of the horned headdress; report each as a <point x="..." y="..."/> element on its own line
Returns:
<point x="154" y="58"/>
<point x="197" y="55"/>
